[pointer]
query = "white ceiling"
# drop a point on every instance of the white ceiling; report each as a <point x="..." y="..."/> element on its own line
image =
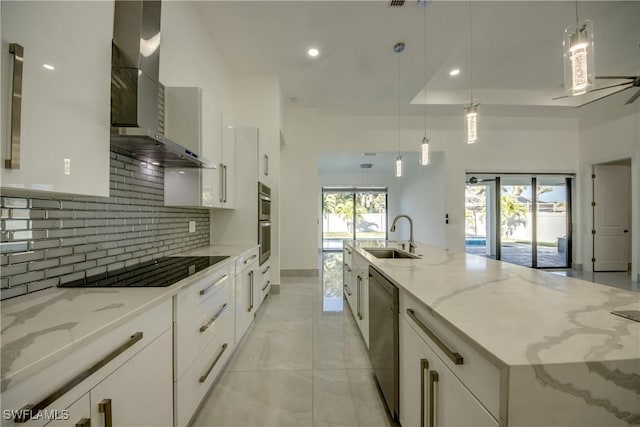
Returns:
<point x="517" y="49"/>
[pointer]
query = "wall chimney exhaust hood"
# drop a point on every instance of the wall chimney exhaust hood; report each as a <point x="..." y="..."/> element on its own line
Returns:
<point x="137" y="97"/>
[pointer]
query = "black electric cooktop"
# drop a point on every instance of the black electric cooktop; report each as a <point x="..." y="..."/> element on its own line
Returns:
<point x="158" y="273"/>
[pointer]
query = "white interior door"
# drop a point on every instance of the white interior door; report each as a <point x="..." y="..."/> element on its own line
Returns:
<point x="611" y="222"/>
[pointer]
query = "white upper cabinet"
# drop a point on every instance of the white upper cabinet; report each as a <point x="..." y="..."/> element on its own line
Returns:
<point x="65" y="99"/>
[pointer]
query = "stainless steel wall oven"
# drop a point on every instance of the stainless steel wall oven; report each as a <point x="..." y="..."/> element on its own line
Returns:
<point x="264" y="222"/>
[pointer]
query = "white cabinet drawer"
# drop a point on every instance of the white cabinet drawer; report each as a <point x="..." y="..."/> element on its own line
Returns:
<point x="130" y="337"/>
<point x="246" y="260"/>
<point x="197" y="380"/>
<point x="430" y="394"/>
<point x="474" y="369"/>
<point x="198" y="323"/>
<point x="265" y="282"/>
<point x="347" y="253"/>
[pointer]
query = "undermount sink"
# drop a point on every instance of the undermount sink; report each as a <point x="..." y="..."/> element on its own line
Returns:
<point x="389" y="253"/>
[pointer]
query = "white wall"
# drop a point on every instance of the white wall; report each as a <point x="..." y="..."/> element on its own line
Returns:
<point x="532" y="141"/>
<point x="610" y="131"/>
<point x="421" y="192"/>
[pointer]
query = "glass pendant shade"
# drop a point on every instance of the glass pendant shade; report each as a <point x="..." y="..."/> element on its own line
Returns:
<point x="471" y="117"/>
<point x="579" y="64"/>
<point x="424" y="152"/>
<point x="399" y="166"/>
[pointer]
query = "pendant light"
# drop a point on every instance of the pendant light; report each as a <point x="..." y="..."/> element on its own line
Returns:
<point x="398" y="48"/>
<point x="471" y="110"/>
<point x="579" y="64"/>
<point x="424" y="146"/>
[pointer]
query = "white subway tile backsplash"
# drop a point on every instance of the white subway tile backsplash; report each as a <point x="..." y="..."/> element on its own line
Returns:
<point x="67" y="239"/>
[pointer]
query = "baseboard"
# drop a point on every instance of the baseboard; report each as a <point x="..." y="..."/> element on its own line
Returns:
<point x="275" y="288"/>
<point x="311" y="272"/>
<point x="576" y="266"/>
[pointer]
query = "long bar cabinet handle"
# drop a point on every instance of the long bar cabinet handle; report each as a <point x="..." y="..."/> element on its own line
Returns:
<point x="214" y="318"/>
<point x="348" y="290"/>
<point x="214" y="284"/>
<point x="203" y="378"/>
<point x="359" y="286"/>
<point x="16" y="106"/>
<point x="104" y="407"/>
<point x="246" y="261"/>
<point x="424" y="366"/>
<point x="226" y="184"/>
<point x="454" y="356"/>
<point x="84" y="422"/>
<point x="221" y="183"/>
<point x="250" y="291"/>
<point x="348" y="267"/>
<point x="433" y="379"/>
<point x="27" y="411"/>
<point x="266" y="269"/>
<point x="266" y="285"/>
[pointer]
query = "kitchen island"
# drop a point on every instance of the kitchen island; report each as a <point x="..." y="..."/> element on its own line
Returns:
<point x="539" y="349"/>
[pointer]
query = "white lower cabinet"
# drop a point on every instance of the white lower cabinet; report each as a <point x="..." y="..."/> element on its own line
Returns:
<point x="265" y="280"/>
<point x="204" y="337"/>
<point x="430" y="394"/>
<point x="76" y="414"/>
<point x="247" y="292"/>
<point x="140" y="393"/>
<point x="356" y="288"/>
<point x="131" y="366"/>
<point x="194" y="384"/>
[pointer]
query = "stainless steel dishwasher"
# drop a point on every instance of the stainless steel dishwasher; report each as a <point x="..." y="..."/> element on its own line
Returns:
<point x="383" y="337"/>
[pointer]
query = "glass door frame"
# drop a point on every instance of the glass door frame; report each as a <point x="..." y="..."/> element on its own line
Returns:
<point x="534" y="217"/>
<point x="353" y="191"/>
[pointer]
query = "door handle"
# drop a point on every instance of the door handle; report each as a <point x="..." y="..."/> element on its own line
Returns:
<point x="424" y="366"/>
<point x="433" y="379"/>
<point x="626" y="231"/>
<point x="221" y="183"/>
<point x="104" y="407"/>
<point x="16" y="106"/>
<point x="250" y="291"/>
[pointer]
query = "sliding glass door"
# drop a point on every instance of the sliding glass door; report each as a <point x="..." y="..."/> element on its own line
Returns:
<point x="505" y="221"/>
<point x="353" y="213"/>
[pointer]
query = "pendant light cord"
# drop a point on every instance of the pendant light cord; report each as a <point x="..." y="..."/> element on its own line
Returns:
<point x="399" y="53"/>
<point x="425" y="70"/>
<point x="470" y="53"/>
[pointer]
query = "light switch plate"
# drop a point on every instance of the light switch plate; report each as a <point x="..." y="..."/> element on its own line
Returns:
<point x="192" y="226"/>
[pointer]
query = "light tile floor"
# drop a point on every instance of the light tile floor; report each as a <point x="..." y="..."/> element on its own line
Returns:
<point x="302" y="363"/>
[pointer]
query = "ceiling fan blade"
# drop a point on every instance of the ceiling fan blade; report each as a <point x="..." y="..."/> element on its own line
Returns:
<point x="633" y="97"/>
<point x="594" y="90"/>
<point x="616" y="77"/>
<point x="603" y="97"/>
<point x="609" y="87"/>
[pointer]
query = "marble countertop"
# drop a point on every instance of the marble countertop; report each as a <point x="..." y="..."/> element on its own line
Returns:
<point x="41" y="328"/>
<point x="519" y="315"/>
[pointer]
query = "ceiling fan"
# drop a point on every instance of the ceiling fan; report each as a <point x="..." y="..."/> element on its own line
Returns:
<point x="633" y="81"/>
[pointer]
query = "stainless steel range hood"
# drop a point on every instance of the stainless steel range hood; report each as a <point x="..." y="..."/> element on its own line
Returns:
<point x="137" y="97"/>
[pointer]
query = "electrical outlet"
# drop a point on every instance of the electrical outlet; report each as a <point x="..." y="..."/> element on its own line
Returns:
<point x="192" y="226"/>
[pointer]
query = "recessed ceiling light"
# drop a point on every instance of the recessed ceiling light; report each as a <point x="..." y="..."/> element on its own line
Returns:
<point x="313" y="52"/>
<point x="155" y="163"/>
<point x="49" y="67"/>
<point x="454" y="72"/>
<point x="229" y="126"/>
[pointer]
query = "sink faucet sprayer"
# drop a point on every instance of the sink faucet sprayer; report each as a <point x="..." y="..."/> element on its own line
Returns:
<point x="412" y="245"/>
